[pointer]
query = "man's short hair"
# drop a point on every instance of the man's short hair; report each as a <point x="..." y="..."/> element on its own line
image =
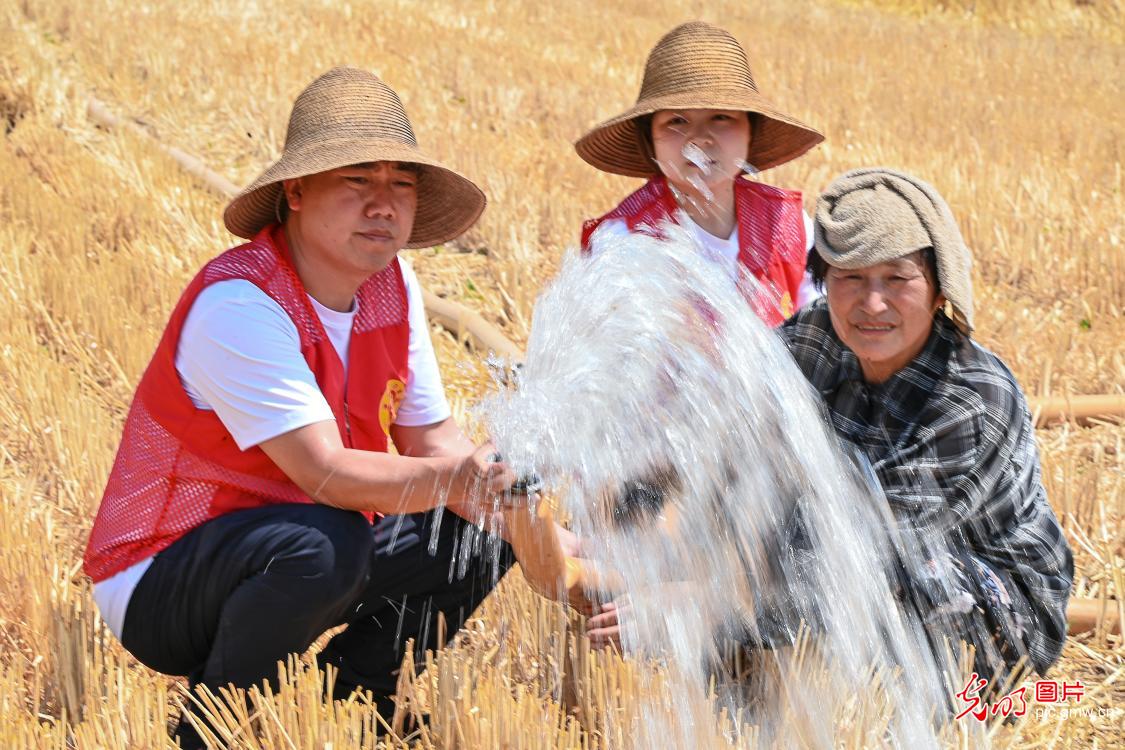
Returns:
<point x="282" y="209"/>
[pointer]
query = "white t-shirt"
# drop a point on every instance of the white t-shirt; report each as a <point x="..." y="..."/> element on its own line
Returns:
<point x="725" y="250"/>
<point x="240" y="355"/>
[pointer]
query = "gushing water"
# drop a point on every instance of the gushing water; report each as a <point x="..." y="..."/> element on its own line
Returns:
<point x="694" y="461"/>
<point x="699" y="158"/>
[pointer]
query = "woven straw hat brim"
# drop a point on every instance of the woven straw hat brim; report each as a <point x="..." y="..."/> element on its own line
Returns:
<point x="613" y="146"/>
<point x="448" y="204"/>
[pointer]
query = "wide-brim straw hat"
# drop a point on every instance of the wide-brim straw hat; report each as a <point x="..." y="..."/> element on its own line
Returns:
<point x="349" y="116"/>
<point x="696" y="66"/>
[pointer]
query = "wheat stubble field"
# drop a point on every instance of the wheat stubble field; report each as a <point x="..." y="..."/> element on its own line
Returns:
<point x="1015" y="116"/>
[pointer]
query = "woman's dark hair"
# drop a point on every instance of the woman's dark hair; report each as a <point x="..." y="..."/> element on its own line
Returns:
<point x="818" y="268"/>
<point x="643" y="125"/>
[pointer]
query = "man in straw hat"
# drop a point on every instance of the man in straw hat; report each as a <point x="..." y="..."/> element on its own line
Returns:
<point x="940" y="419"/>
<point x="235" y="527"/>
<point x="700" y="124"/>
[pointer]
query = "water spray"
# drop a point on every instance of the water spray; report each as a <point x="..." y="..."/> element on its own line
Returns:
<point x="674" y="430"/>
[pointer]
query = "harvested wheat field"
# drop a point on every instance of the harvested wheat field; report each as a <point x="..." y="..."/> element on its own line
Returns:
<point x="1014" y="113"/>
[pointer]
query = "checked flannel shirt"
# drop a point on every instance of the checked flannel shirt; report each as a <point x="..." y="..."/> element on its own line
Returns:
<point x="951" y="442"/>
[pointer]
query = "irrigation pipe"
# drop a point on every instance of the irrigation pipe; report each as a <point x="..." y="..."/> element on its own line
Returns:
<point x="1085" y="410"/>
<point x="551" y="573"/>
<point x="1082" y="615"/>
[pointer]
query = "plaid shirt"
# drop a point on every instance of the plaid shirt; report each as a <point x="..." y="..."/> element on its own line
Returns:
<point x="950" y="439"/>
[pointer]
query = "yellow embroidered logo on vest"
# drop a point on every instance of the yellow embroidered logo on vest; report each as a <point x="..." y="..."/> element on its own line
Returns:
<point x="786" y="305"/>
<point x="393" y="395"/>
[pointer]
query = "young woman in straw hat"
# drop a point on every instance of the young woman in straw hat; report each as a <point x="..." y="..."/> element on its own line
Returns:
<point x="698" y="126"/>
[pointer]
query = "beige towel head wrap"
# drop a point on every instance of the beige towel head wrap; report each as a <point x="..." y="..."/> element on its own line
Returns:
<point x="874" y="215"/>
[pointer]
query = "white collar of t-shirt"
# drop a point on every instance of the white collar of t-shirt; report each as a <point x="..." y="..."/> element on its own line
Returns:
<point x="338" y="326"/>
<point x="721" y="249"/>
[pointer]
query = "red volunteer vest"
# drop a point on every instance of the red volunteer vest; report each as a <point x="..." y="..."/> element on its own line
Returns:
<point x="771" y="236"/>
<point x="177" y="465"/>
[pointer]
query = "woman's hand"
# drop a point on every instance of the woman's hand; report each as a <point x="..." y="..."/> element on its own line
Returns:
<point x="604" y="628"/>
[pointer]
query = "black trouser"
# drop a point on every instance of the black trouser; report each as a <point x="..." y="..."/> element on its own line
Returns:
<point x="226" y="602"/>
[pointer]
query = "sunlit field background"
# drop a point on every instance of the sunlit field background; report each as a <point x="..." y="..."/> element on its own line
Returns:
<point x="1013" y="111"/>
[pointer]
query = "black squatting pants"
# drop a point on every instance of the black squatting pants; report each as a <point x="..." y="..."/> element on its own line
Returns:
<point x="231" y="598"/>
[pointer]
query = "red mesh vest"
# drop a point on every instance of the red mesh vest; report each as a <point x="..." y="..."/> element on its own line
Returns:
<point x="771" y="236"/>
<point x="177" y="465"/>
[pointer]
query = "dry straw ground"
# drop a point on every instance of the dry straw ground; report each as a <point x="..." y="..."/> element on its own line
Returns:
<point x="1015" y="115"/>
